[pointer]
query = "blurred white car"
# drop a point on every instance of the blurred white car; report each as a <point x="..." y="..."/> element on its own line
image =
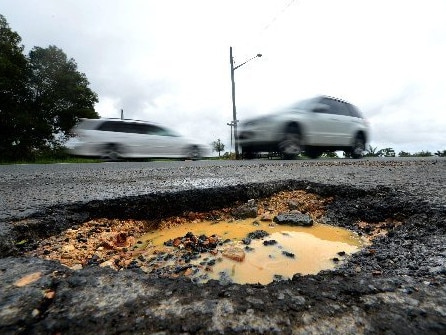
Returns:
<point x="113" y="139"/>
<point x="312" y="126"/>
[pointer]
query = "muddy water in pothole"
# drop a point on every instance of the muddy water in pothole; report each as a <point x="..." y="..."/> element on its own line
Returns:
<point x="304" y="250"/>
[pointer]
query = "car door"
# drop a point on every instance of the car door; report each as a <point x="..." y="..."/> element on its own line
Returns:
<point x="164" y="142"/>
<point x="117" y="133"/>
<point x="338" y="125"/>
<point x="323" y="124"/>
<point x="343" y="127"/>
<point x="137" y="140"/>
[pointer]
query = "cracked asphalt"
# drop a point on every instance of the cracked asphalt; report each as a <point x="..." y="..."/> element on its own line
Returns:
<point x="395" y="286"/>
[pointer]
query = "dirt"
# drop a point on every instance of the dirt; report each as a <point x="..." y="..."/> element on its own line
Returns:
<point x="118" y="243"/>
<point x="397" y="285"/>
<point x="112" y="242"/>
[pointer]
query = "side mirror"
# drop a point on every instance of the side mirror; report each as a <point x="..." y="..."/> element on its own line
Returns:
<point x="319" y="108"/>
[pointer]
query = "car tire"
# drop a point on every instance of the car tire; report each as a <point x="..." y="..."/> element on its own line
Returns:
<point x="291" y="144"/>
<point x="112" y="152"/>
<point x="194" y="153"/>
<point x="358" y="147"/>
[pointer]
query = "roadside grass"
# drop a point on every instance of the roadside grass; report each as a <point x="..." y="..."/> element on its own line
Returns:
<point x="49" y="157"/>
<point x="51" y="160"/>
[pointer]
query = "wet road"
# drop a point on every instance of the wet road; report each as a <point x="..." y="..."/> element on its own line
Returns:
<point x="396" y="286"/>
<point x="25" y="189"/>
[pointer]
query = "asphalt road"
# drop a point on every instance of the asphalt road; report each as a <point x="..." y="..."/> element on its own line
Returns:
<point x="395" y="286"/>
<point x="25" y="189"/>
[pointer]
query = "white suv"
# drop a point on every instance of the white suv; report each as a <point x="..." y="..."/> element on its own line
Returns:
<point x="311" y="126"/>
<point x="114" y="139"/>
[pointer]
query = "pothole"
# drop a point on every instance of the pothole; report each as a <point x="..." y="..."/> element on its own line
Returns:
<point x="245" y="251"/>
<point x="245" y="243"/>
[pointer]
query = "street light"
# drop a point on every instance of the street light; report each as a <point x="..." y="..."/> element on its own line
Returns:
<point x="231" y="124"/>
<point x="234" y="111"/>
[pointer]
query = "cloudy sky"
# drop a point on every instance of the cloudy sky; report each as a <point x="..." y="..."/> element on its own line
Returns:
<point x="168" y="60"/>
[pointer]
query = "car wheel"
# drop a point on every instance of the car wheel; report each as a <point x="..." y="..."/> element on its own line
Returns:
<point x="111" y="152"/>
<point x="358" y="147"/>
<point x="194" y="153"/>
<point x="291" y="144"/>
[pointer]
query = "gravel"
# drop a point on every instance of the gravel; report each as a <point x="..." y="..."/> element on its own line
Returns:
<point x="395" y="286"/>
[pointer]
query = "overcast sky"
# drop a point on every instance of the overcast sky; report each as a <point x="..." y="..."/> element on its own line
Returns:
<point x="168" y="61"/>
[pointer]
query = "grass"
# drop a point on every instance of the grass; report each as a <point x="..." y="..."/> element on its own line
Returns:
<point x="51" y="160"/>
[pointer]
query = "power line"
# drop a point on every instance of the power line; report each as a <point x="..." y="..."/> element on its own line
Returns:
<point x="274" y="19"/>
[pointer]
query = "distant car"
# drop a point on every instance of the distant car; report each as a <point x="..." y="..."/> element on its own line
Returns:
<point x="114" y="139"/>
<point x="312" y="127"/>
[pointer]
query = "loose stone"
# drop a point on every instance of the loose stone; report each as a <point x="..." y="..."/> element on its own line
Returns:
<point x="234" y="253"/>
<point x="295" y="219"/>
<point x="288" y="254"/>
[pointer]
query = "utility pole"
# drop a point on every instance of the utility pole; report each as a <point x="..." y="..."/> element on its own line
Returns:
<point x="234" y="110"/>
<point x="231" y="124"/>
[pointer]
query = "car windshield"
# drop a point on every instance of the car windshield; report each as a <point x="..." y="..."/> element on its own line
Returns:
<point x="163" y="132"/>
<point x="303" y="104"/>
<point x="87" y="124"/>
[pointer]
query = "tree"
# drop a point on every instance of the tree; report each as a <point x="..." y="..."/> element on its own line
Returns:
<point x="422" y="154"/>
<point x="229" y="155"/>
<point x="14" y="112"/>
<point x="41" y="97"/>
<point x="59" y="94"/>
<point x="404" y="154"/>
<point x="218" y="146"/>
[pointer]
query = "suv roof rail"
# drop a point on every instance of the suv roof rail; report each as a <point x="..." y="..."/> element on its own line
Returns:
<point x="119" y="119"/>
<point x="134" y="120"/>
<point x="334" y="98"/>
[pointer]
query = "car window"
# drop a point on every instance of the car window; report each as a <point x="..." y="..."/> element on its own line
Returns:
<point x="87" y="124"/>
<point x="136" y="128"/>
<point x="304" y="104"/>
<point x="152" y="130"/>
<point x="336" y="107"/>
<point x="123" y="127"/>
<point x="331" y="104"/>
<point x="160" y="131"/>
<point x="113" y="126"/>
<point x="355" y="111"/>
<point x="342" y="108"/>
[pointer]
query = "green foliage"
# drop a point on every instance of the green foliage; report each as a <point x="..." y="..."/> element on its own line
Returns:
<point x="371" y="152"/>
<point x="14" y="74"/>
<point x="229" y="155"/>
<point x="404" y="154"/>
<point x="218" y="146"/>
<point x="422" y="154"/>
<point x="389" y="152"/>
<point x="49" y="156"/>
<point x="41" y="97"/>
<point x="60" y="94"/>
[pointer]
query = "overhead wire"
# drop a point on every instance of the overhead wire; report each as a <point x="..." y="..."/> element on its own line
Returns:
<point x="258" y="38"/>
<point x="276" y="17"/>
